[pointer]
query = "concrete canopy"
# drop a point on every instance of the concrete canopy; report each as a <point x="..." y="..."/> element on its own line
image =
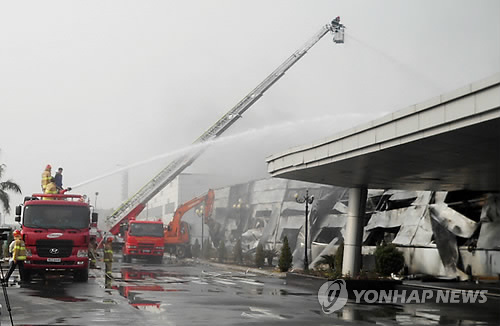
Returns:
<point x="450" y="142"/>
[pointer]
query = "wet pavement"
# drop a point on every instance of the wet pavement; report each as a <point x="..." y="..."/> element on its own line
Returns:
<point x="187" y="293"/>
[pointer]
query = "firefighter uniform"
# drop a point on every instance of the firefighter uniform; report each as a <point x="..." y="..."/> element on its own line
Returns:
<point x="50" y="188"/>
<point x="46" y="176"/>
<point x="18" y="256"/>
<point x="108" y="261"/>
<point x="93" y="253"/>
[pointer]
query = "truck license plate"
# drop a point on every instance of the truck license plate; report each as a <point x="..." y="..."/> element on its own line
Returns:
<point x="146" y="251"/>
<point x="53" y="260"/>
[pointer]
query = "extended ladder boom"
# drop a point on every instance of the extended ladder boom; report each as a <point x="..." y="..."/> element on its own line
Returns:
<point x="135" y="204"/>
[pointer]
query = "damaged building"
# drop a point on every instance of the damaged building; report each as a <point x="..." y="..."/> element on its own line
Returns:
<point x="447" y="234"/>
<point x="446" y="150"/>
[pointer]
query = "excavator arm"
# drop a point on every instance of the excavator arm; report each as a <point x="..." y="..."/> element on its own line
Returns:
<point x="173" y="227"/>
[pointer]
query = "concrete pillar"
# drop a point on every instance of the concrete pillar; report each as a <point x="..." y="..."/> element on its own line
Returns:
<point x="354" y="231"/>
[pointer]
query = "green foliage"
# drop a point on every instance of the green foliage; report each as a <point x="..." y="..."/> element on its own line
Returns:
<point x="367" y="275"/>
<point x="221" y="251"/>
<point x="259" y="256"/>
<point x="5" y="187"/>
<point x="207" y="249"/>
<point x="333" y="274"/>
<point x="286" y="258"/>
<point x="237" y="252"/>
<point x="189" y="253"/>
<point x="327" y="260"/>
<point x="334" y="263"/>
<point x="388" y="259"/>
<point x="196" y="250"/>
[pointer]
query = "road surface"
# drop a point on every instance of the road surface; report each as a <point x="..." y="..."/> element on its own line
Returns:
<point x="190" y="293"/>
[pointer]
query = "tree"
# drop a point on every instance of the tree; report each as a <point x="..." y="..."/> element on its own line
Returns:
<point x="221" y="251"/>
<point x="237" y="252"/>
<point x="388" y="259"/>
<point x="207" y="249"/>
<point x="259" y="256"/>
<point x="286" y="257"/>
<point x="196" y="249"/>
<point x="6" y="186"/>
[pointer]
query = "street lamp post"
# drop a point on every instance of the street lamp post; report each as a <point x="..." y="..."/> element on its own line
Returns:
<point x="95" y="202"/>
<point x="199" y="211"/>
<point x="308" y="200"/>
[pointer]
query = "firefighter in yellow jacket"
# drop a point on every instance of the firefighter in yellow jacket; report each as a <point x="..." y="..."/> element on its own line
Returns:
<point x="46" y="175"/>
<point x="93" y="253"/>
<point x="50" y="188"/>
<point x="108" y="261"/>
<point x="18" y="257"/>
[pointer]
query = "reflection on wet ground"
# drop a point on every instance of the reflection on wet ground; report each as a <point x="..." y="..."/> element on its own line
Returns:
<point x="139" y="286"/>
<point x="136" y="284"/>
<point x="201" y="294"/>
<point x="412" y="314"/>
<point x="53" y="289"/>
<point x="273" y="291"/>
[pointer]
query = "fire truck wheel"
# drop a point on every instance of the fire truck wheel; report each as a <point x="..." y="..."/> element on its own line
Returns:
<point x="82" y="275"/>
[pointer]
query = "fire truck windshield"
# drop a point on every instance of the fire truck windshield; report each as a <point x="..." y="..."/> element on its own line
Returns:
<point x="146" y="230"/>
<point x="54" y="216"/>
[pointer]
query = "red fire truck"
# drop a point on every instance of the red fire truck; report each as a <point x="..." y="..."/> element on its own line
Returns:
<point x="55" y="229"/>
<point x="143" y="239"/>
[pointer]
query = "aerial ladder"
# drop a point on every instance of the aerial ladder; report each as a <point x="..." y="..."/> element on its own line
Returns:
<point x="131" y="208"/>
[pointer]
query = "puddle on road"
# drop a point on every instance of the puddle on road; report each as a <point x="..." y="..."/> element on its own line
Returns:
<point x="154" y="307"/>
<point x="133" y="294"/>
<point x="51" y="290"/>
<point x="273" y="292"/>
<point x="389" y="314"/>
<point x="286" y="292"/>
<point x="135" y="274"/>
<point x="134" y="283"/>
<point x="264" y="314"/>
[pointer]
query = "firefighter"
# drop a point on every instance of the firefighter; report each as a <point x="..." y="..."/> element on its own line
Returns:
<point x="18" y="257"/>
<point x="93" y="253"/>
<point x="50" y="188"/>
<point x="46" y="175"/>
<point x="108" y="261"/>
<point x="58" y="179"/>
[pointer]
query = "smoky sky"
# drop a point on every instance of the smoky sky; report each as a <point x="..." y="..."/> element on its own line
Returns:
<point x="93" y="86"/>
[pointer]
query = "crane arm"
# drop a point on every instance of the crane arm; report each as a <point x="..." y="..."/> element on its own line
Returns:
<point x="134" y="205"/>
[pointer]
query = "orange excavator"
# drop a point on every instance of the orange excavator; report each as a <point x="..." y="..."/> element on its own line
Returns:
<point x="177" y="237"/>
